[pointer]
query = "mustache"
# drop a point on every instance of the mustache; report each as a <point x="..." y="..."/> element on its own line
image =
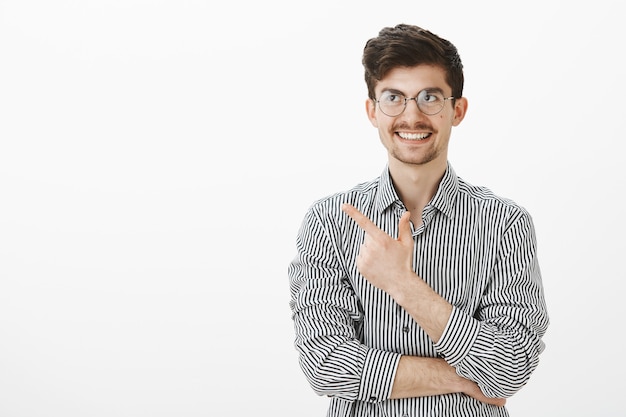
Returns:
<point x="416" y="126"/>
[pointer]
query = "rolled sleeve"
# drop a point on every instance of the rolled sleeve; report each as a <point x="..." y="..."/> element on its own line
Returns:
<point x="458" y="337"/>
<point x="378" y="375"/>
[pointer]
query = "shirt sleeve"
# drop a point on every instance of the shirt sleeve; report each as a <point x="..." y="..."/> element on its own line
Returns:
<point x="327" y="317"/>
<point x="498" y="346"/>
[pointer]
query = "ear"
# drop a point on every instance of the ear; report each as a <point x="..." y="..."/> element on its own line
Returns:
<point x="370" y="108"/>
<point x="460" y="108"/>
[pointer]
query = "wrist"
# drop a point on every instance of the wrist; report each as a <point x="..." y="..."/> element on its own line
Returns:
<point x="406" y="289"/>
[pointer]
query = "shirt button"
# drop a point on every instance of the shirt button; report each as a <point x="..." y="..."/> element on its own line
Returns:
<point x="406" y="329"/>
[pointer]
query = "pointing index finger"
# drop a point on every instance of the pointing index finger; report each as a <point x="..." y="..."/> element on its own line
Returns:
<point x="362" y="220"/>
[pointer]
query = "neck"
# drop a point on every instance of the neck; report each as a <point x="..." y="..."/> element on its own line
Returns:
<point x="416" y="184"/>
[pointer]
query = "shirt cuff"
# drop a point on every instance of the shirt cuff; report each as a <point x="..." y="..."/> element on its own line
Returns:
<point x="379" y="372"/>
<point x="458" y="337"/>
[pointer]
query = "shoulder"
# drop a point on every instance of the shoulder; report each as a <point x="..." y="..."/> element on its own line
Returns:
<point x="361" y="195"/>
<point x="324" y="218"/>
<point x="490" y="203"/>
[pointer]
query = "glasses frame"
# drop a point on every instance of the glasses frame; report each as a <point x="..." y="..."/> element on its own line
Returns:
<point x="406" y="99"/>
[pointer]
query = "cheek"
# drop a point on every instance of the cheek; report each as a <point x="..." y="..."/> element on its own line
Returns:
<point x="446" y="118"/>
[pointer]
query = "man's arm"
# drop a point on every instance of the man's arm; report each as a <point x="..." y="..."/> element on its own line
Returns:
<point x="476" y="348"/>
<point x="418" y="377"/>
<point x="387" y="263"/>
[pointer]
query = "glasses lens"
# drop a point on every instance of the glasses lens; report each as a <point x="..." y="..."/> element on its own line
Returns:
<point x="392" y="104"/>
<point x="430" y="102"/>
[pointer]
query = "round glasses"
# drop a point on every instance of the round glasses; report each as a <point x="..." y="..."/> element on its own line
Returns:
<point x="429" y="102"/>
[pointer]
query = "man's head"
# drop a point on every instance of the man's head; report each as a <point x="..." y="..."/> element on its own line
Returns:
<point x="404" y="64"/>
<point x="409" y="46"/>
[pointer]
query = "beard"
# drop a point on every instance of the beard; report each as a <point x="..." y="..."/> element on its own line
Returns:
<point x="415" y="157"/>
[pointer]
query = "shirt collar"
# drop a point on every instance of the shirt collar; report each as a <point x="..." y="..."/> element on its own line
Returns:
<point x="443" y="200"/>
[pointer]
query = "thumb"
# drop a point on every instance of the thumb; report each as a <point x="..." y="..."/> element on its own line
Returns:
<point x="404" y="227"/>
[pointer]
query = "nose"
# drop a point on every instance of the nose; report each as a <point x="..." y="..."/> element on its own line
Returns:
<point x="412" y="109"/>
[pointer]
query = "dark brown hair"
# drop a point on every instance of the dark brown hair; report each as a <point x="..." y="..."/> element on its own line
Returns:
<point x="407" y="46"/>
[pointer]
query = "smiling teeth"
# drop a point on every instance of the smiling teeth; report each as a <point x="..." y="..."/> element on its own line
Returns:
<point x="413" y="136"/>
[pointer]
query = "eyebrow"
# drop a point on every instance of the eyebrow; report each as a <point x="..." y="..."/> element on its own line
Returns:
<point x="428" y="89"/>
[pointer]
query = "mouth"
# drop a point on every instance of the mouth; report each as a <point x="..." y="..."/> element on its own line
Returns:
<point x="414" y="136"/>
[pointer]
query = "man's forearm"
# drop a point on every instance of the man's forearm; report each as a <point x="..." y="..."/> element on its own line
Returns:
<point x="421" y="377"/>
<point x="430" y="310"/>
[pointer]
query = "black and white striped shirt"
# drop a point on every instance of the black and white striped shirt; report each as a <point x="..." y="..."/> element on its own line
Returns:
<point x="475" y="249"/>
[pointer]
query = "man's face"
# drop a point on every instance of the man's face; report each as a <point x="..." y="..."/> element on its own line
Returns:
<point x="413" y="137"/>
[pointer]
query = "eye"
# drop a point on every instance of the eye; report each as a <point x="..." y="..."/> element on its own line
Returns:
<point x="391" y="98"/>
<point x="430" y="97"/>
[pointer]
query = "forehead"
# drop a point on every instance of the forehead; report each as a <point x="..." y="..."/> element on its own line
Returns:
<point x="411" y="80"/>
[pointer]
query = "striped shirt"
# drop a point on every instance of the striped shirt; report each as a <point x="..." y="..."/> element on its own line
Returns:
<point x="475" y="249"/>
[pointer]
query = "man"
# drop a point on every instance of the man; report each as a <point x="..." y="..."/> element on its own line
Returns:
<point x="417" y="293"/>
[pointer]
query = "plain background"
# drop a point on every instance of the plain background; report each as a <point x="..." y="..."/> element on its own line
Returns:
<point x="157" y="157"/>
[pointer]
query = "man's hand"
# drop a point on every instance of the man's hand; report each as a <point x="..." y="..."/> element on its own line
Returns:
<point x="383" y="260"/>
<point x="474" y="391"/>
